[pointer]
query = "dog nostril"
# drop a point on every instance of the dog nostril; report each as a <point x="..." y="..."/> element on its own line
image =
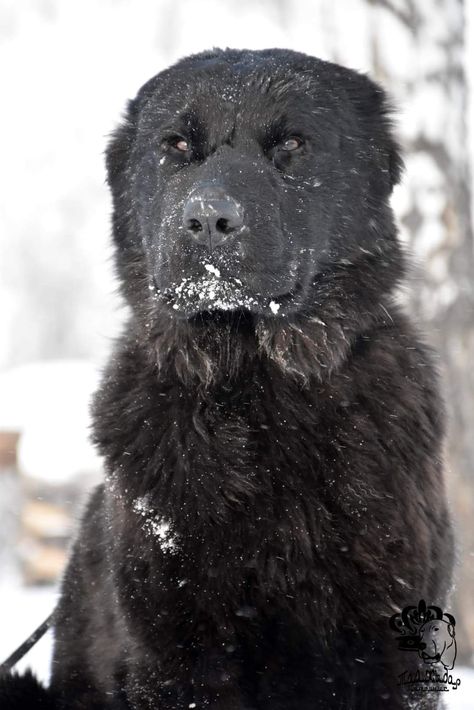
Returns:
<point x="222" y="225"/>
<point x="194" y="225"/>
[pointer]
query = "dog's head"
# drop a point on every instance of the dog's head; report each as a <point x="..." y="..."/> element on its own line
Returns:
<point x="437" y="642"/>
<point x="242" y="178"/>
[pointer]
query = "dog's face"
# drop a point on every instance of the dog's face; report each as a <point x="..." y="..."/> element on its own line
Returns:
<point x="436" y="636"/>
<point x="240" y="177"/>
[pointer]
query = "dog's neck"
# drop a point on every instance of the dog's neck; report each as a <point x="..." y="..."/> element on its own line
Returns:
<point x="191" y="384"/>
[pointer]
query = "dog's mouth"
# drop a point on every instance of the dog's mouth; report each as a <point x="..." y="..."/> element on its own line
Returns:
<point x="431" y="659"/>
<point x="214" y="299"/>
<point x="238" y="317"/>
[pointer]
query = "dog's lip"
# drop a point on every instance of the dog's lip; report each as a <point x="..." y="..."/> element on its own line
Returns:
<point x="274" y="304"/>
<point x="215" y="315"/>
<point x="289" y="295"/>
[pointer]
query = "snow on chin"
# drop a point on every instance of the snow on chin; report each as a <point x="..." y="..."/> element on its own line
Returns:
<point x="213" y="270"/>
<point x="216" y="293"/>
<point x="213" y="291"/>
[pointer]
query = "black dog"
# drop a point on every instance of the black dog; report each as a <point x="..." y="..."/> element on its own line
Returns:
<point x="270" y="420"/>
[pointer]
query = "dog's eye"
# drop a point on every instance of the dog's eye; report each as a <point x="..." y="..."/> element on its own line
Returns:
<point x="291" y="144"/>
<point x="182" y="145"/>
<point x="178" y="143"/>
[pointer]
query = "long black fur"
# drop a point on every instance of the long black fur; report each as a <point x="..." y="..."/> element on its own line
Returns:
<point x="274" y="487"/>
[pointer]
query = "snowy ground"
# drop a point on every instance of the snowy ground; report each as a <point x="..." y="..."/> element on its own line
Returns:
<point x="22" y="610"/>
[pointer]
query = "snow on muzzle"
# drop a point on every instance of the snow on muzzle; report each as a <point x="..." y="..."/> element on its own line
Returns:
<point x="213" y="292"/>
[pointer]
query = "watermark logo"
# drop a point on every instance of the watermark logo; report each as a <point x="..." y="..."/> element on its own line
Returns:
<point x="431" y="634"/>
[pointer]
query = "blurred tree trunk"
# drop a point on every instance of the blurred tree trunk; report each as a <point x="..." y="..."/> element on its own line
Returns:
<point x="418" y="53"/>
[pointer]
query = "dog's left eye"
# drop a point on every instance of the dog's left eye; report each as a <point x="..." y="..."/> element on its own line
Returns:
<point x="291" y="144"/>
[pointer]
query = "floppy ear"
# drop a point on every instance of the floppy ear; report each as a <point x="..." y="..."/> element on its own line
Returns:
<point x="117" y="161"/>
<point x="120" y="144"/>
<point x="376" y="111"/>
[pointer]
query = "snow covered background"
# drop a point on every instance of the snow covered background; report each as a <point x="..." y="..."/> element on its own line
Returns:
<point x="67" y="69"/>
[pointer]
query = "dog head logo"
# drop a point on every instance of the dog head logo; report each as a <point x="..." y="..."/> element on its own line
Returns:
<point x="438" y="642"/>
<point x="429" y="631"/>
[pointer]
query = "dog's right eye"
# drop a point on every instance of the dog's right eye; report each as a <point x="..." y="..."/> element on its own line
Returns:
<point x="177" y="143"/>
<point x="182" y="145"/>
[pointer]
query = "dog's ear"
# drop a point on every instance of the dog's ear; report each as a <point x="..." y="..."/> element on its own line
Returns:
<point x="376" y="112"/>
<point x="451" y="630"/>
<point x="120" y="144"/>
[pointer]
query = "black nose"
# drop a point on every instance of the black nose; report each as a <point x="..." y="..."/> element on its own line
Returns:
<point x="212" y="217"/>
